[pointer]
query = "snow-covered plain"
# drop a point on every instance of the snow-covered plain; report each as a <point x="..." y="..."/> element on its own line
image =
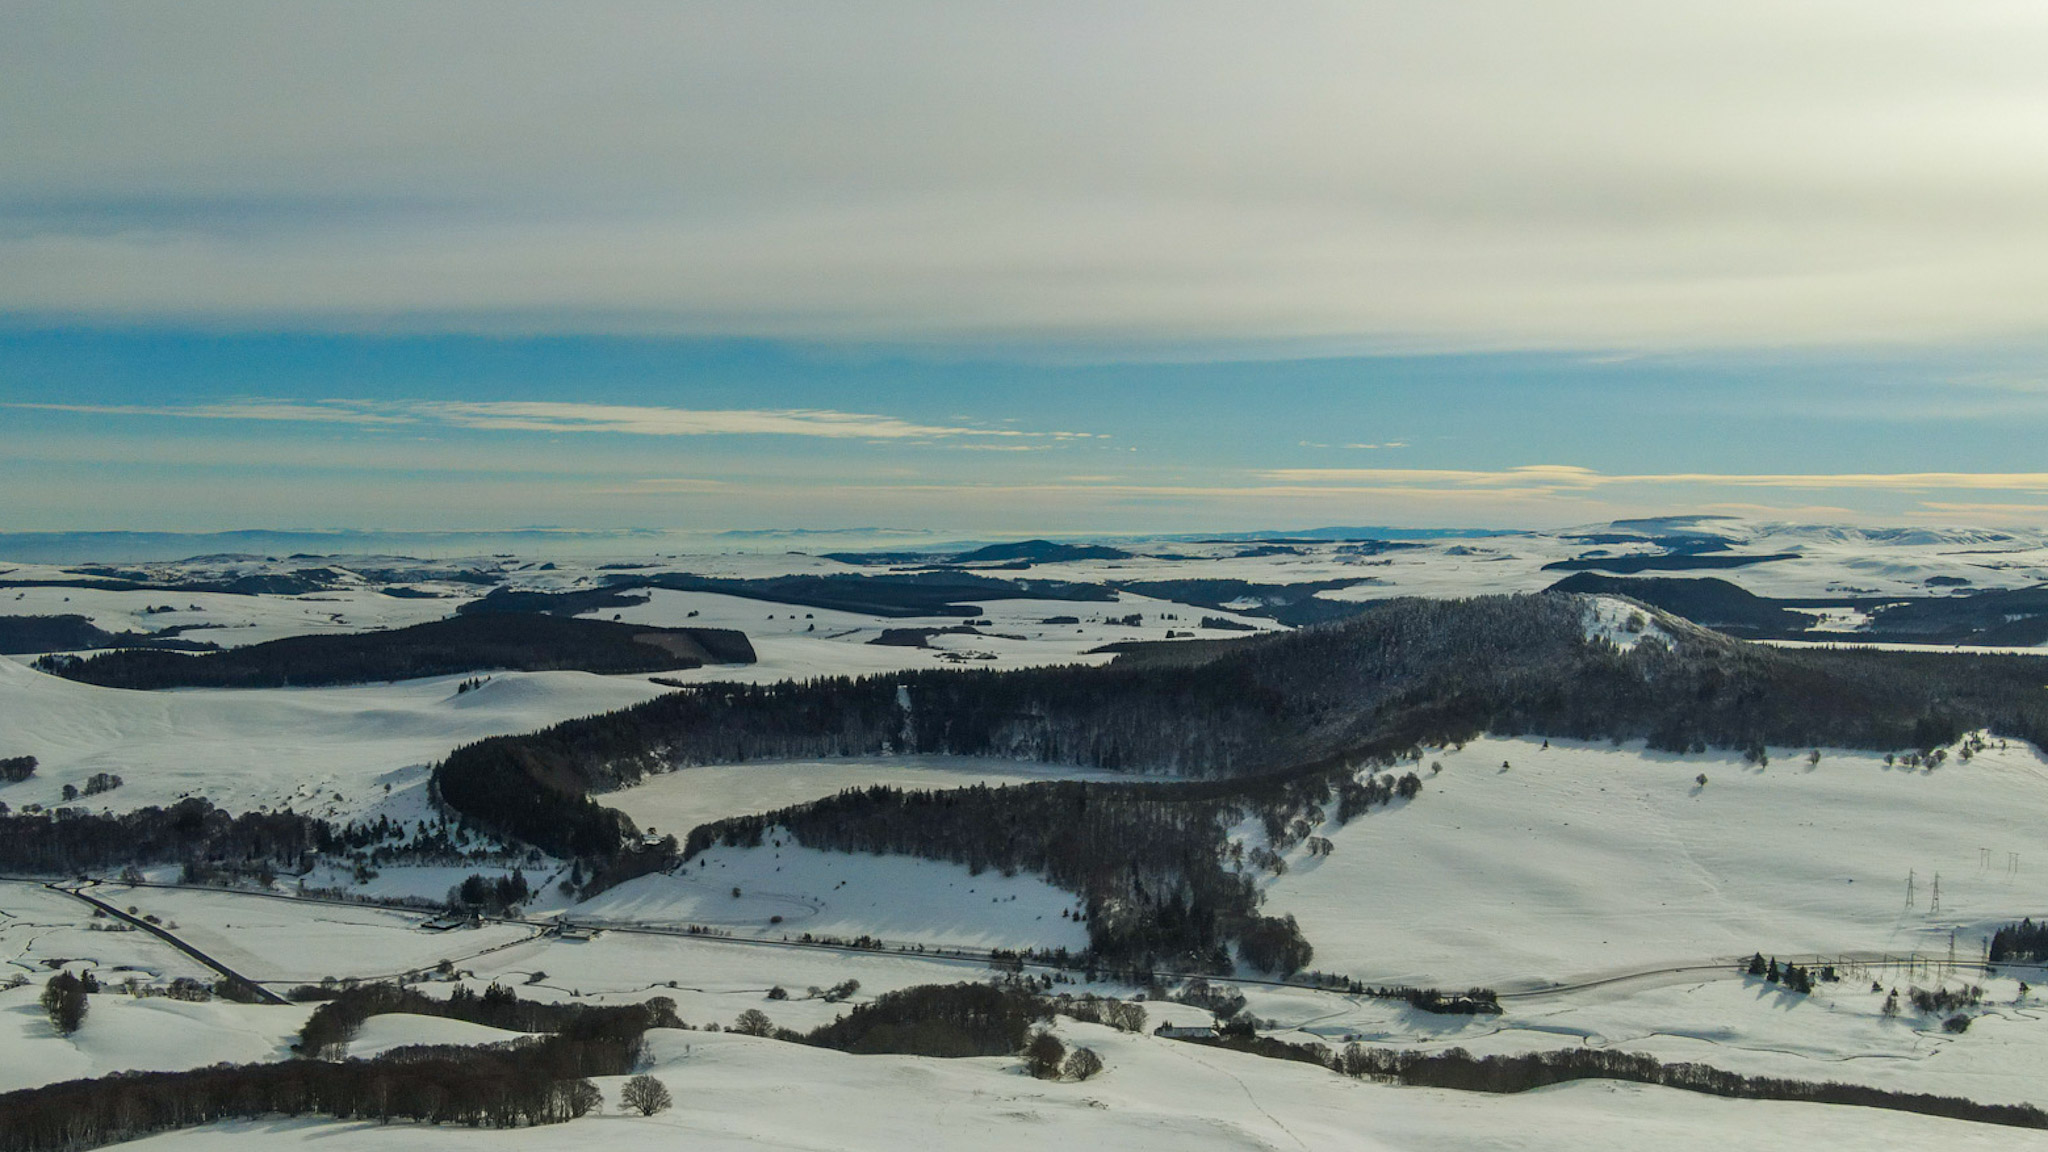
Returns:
<point x="782" y="891"/>
<point x="1521" y="865"/>
<point x="320" y="751"/>
<point x="735" y="1092"/>
<point x="150" y="1034"/>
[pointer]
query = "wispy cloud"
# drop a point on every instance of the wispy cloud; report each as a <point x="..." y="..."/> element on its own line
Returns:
<point x="321" y="411"/>
<point x="1567" y="477"/>
<point x="566" y="417"/>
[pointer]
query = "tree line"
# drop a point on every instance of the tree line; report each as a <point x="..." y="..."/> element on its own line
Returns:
<point x="517" y="641"/>
<point x="543" y="1079"/>
<point x="1458" y="1069"/>
<point x="327" y="1032"/>
<point x="2023" y="942"/>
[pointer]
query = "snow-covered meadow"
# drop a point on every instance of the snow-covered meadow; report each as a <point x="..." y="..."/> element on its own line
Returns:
<point x="735" y="1092"/>
<point x="1521" y="865"/>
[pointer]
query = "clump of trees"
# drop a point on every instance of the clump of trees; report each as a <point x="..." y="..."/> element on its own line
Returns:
<point x="2023" y="942"/>
<point x="15" y="769"/>
<point x="1045" y="1056"/>
<point x="1794" y="977"/>
<point x="1082" y="1064"/>
<point x="64" y="1001"/>
<point x="492" y="896"/>
<point x="949" y="1020"/>
<point x="329" y="1029"/>
<point x="1945" y="999"/>
<point x="1121" y="1015"/>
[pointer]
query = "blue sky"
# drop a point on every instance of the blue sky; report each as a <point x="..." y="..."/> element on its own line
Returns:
<point x="995" y="269"/>
<point x="154" y="430"/>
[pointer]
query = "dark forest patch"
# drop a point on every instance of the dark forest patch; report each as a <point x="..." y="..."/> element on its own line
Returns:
<point x="519" y="642"/>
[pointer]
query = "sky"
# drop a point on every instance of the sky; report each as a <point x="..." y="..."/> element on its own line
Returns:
<point x="1020" y="269"/>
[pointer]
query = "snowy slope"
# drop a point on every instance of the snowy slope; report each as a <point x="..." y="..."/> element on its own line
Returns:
<point x="245" y="748"/>
<point x="780" y="890"/>
<point x="122" y="1033"/>
<point x="735" y="1092"/>
<point x="1580" y="859"/>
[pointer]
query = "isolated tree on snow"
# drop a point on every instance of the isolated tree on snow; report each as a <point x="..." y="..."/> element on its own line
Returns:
<point x="753" y="1022"/>
<point x="64" y="1000"/>
<point x="1044" y="1055"/>
<point x="1082" y="1064"/>
<point x="645" y="1095"/>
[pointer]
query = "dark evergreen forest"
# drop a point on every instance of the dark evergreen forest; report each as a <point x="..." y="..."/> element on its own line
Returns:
<point x="515" y="641"/>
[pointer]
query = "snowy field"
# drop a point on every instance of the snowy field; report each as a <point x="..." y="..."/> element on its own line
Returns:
<point x="735" y="1092"/>
<point x="38" y="927"/>
<point x="780" y="891"/>
<point x="1578" y="860"/>
<point x="678" y="801"/>
<point x="228" y="620"/>
<point x="1715" y="1016"/>
<point x="152" y="1034"/>
<point x="321" y="751"/>
<point x="287" y="942"/>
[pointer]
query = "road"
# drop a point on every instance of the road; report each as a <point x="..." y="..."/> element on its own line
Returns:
<point x="1725" y="967"/>
<point x="263" y="994"/>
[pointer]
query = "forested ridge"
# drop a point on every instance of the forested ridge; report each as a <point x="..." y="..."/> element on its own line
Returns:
<point x="515" y="641"/>
<point x="1402" y="673"/>
<point x="1267" y="720"/>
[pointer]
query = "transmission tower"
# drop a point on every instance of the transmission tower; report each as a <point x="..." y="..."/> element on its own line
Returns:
<point x="1909" y="890"/>
<point x="1934" y="905"/>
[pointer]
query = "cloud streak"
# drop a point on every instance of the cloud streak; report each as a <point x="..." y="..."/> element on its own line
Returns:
<point x="1363" y="173"/>
<point x="556" y="417"/>
<point x="1566" y="477"/>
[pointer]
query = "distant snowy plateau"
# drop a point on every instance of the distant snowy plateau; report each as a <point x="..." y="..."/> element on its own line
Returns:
<point x="1608" y="894"/>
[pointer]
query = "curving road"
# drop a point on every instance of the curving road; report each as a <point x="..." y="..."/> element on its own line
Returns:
<point x="233" y="977"/>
